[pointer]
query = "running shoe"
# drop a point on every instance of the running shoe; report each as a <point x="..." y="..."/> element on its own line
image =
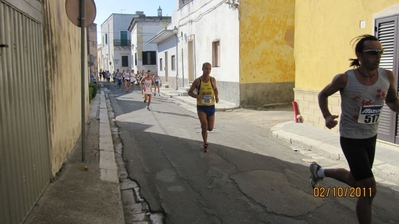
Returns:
<point x="206" y="149"/>
<point x="145" y="101"/>
<point x="314" y="179"/>
<point x="148" y="109"/>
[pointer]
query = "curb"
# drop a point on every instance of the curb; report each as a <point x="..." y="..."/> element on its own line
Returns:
<point x="107" y="163"/>
<point x="134" y="207"/>
<point x="383" y="172"/>
<point x="331" y="152"/>
<point x="184" y="99"/>
<point x="108" y="168"/>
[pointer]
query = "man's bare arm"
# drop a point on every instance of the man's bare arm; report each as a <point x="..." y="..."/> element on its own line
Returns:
<point x="192" y="88"/>
<point x="215" y="90"/>
<point x="392" y="97"/>
<point x="337" y="84"/>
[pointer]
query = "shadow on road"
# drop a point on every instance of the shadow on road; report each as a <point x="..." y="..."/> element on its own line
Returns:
<point x="242" y="179"/>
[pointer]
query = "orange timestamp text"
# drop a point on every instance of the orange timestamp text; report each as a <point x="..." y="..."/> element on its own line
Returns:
<point x="342" y="192"/>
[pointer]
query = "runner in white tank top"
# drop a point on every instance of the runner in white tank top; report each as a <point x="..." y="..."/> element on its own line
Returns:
<point x="363" y="92"/>
<point x="132" y="79"/>
<point x="127" y="79"/>
<point x="147" y="83"/>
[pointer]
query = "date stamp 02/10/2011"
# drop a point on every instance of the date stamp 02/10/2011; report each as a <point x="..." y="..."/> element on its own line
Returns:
<point x="342" y="192"/>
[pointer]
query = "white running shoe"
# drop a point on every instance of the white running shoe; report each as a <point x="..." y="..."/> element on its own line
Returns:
<point x="314" y="179"/>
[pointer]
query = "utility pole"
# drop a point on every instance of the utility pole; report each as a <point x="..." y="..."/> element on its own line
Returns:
<point x="83" y="77"/>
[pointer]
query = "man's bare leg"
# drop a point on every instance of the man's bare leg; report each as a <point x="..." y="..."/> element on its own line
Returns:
<point x="204" y="128"/>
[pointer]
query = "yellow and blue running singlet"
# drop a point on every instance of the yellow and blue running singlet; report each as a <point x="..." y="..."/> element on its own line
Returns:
<point x="208" y="95"/>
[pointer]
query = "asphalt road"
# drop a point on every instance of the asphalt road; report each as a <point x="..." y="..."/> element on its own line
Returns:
<point x="247" y="176"/>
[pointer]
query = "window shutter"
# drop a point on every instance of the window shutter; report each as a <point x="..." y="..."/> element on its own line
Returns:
<point x="125" y="61"/>
<point x="153" y="58"/>
<point x="387" y="30"/>
<point x="144" y="57"/>
<point x="123" y="38"/>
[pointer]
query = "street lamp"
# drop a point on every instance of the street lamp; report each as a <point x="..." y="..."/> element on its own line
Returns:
<point x="176" y="31"/>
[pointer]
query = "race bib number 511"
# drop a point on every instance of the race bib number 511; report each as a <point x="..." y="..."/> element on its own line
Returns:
<point x="369" y="114"/>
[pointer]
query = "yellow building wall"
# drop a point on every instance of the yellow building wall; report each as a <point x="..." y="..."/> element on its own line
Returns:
<point x="62" y="63"/>
<point x="267" y="41"/>
<point x="323" y="34"/>
<point x="267" y="61"/>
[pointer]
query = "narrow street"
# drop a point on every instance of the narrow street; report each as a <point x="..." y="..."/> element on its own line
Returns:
<point x="247" y="176"/>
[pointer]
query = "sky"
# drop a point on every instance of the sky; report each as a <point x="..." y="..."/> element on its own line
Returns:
<point x="104" y="8"/>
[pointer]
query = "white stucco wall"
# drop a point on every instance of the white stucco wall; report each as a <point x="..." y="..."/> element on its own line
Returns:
<point x="207" y="21"/>
<point x="144" y="29"/>
<point x="110" y="53"/>
<point x="107" y="30"/>
<point x="118" y="58"/>
<point x="169" y="47"/>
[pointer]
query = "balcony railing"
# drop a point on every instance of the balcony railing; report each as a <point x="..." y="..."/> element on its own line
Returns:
<point x="118" y="42"/>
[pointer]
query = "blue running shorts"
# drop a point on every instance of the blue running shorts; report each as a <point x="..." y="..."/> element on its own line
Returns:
<point x="209" y="110"/>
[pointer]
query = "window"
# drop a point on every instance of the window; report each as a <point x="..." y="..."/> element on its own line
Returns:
<point x="173" y="61"/>
<point x="135" y="59"/>
<point x="106" y="39"/>
<point x="160" y="64"/>
<point x="149" y="58"/>
<point x="216" y="54"/>
<point x="125" y="61"/>
<point x="124" y="38"/>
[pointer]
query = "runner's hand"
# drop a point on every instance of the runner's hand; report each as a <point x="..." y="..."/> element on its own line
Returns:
<point x="330" y="121"/>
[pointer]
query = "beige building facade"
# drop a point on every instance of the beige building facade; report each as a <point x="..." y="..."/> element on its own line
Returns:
<point x="40" y="106"/>
<point x="63" y="79"/>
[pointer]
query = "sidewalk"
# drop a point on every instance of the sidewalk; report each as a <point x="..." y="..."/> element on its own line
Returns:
<point x="182" y="96"/>
<point x="85" y="192"/>
<point x="323" y="142"/>
<point x="326" y="143"/>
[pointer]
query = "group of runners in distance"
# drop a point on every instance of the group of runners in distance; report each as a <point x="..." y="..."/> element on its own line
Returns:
<point x="144" y="79"/>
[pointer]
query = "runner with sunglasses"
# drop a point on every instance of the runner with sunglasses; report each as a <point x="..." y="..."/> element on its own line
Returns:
<point x="363" y="91"/>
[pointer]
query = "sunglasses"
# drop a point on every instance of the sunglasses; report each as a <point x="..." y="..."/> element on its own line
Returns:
<point x="374" y="51"/>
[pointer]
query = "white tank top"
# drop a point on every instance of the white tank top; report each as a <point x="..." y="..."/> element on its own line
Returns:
<point x="147" y="86"/>
<point x="361" y="106"/>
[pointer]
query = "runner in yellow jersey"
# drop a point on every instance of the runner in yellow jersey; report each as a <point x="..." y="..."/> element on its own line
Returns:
<point x="207" y="95"/>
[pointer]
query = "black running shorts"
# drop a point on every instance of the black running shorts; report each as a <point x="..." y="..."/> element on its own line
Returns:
<point x="360" y="156"/>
